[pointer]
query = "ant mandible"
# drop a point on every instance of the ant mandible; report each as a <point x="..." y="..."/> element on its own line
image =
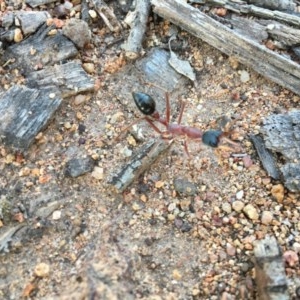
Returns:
<point x="147" y="105"/>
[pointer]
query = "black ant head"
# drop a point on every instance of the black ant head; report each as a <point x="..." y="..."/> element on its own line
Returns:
<point x="144" y="102"/>
<point x="212" y="138"/>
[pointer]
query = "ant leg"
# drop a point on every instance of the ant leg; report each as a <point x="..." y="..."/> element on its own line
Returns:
<point x="168" y="108"/>
<point x="127" y="127"/>
<point x="150" y="122"/>
<point x="186" y="148"/>
<point x="183" y="104"/>
<point x="154" y="85"/>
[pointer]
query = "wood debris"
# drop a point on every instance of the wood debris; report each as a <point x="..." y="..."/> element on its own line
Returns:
<point x="70" y="79"/>
<point x="276" y="68"/>
<point x="139" y="163"/>
<point x="39" y="50"/>
<point x="24" y="112"/>
<point x="133" y="45"/>
<point x="282" y="135"/>
<point x="270" y="273"/>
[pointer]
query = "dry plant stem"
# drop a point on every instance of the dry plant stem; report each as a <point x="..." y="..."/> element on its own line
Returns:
<point x="136" y="35"/>
<point x="257" y="11"/>
<point x="139" y="163"/>
<point x="264" y="61"/>
<point x="107" y="15"/>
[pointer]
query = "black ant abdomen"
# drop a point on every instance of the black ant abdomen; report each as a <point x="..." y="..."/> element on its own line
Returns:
<point x="144" y="102"/>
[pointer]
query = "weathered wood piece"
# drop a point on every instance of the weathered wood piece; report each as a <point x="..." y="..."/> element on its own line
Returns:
<point x="6" y="235"/>
<point x="274" y="4"/>
<point x="39" y="50"/>
<point x="287" y="36"/>
<point x="139" y="163"/>
<point x="24" y="112"/>
<point x="36" y="3"/>
<point x="31" y="20"/>
<point x="270" y="64"/>
<point x="282" y="134"/>
<point x="270" y="273"/>
<point x="70" y="79"/>
<point x="157" y="70"/>
<point x="133" y="45"/>
<point x="248" y="27"/>
<point x="265" y="156"/>
<point x="107" y="15"/>
<point x="242" y="8"/>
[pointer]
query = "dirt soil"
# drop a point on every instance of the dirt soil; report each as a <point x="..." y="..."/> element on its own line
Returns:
<point x="82" y="240"/>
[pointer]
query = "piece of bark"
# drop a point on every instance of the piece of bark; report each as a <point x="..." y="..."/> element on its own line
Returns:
<point x="266" y="62"/>
<point x="36" y="3"/>
<point x="282" y="134"/>
<point x="133" y="45"/>
<point x="287" y="36"/>
<point x="139" y="163"/>
<point x="39" y="50"/>
<point x="70" y="79"/>
<point x="269" y="269"/>
<point x="265" y="157"/>
<point x="274" y="4"/>
<point x="249" y="27"/>
<point x="85" y="16"/>
<point x="31" y="20"/>
<point x="24" y="112"/>
<point x="107" y="15"/>
<point x="157" y="70"/>
<point x="6" y="236"/>
<point x="254" y="10"/>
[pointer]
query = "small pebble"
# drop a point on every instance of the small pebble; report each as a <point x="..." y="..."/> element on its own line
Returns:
<point x="98" y="173"/>
<point x="126" y="152"/>
<point x="18" y="36"/>
<point x="171" y="206"/>
<point x="230" y="250"/>
<point x="92" y="14"/>
<point x="238" y="206"/>
<point x="56" y="215"/>
<point x="251" y="212"/>
<point x="277" y="192"/>
<point x="226" y="207"/>
<point x="244" y="76"/>
<point x="239" y="195"/>
<point x="89" y="67"/>
<point x="80" y="98"/>
<point x="296" y="247"/>
<point x="42" y="270"/>
<point x="266" y="217"/>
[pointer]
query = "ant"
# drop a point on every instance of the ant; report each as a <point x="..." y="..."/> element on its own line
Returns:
<point x="147" y="106"/>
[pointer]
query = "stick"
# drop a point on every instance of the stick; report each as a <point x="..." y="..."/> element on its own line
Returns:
<point x="133" y="45"/>
<point x="139" y="163"/>
<point x="269" y="64"/>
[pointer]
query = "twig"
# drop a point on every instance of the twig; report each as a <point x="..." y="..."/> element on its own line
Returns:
<point x="256" y="11"/>
<point x="133" y="45"/>
<point x="139" y="163"/>
<point x="107" y="15"/>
